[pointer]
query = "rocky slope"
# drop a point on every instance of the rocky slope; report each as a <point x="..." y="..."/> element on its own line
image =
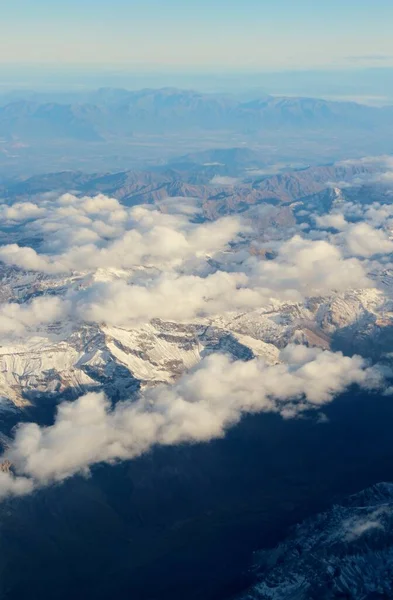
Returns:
<point x="64" y="360"/>
<point x="206" y="184"/>
<point x="346" y="552"/>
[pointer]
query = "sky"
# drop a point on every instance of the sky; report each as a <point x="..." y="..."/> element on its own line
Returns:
<point x="198" y="34"/>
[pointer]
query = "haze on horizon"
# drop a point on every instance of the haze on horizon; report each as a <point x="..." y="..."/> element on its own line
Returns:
<point x="253" y="34"/>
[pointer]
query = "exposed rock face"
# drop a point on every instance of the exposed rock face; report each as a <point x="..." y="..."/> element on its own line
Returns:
<point x="151" y="187"/>
<point x="5" y="466"/>
<point x="65" y="360"/>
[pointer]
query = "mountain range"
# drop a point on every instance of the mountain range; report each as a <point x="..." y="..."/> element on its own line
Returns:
<point x="224" y="181"/>
<point x="115" y="113"/>
<point x="90" y="260"/>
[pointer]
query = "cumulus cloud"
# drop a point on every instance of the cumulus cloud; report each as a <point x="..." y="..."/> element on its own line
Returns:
<point x="163" y="257"/>
<point x="28" y="259"/>
<point x="17" y="318"/>
<point x="331" y="220"/>
<point x="364" y="240"/>
<point x="379" y="214"/>
<point x="20" y="211"/>
<point x="14" y="486"/>
<point x="83" y="234"/>
<point x="199" y="407"/>
<point x="306" y="267"/>
<point x="301" y="268"/>
<point x="170" y="297"/>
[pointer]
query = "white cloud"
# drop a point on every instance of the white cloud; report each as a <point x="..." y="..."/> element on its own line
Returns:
<point x="169" y="297"/>
<point x="357" y="526"/>
<point x="331" y="220"/>
<point x="224" y="180"/>
<point x="379" y="214"/>
<point x="384" y="161"/>
<point x="20" y="211"/>
<point x="199" y="407"/>
<point x="15" y="318"/>
<point x="14" y="486"/>
<point x="83" y="234"/>
<point x="88" y="234"/>
<point x="306" y="267"/>
<point x="363" y="240"/>
<point x="301" y="269"/>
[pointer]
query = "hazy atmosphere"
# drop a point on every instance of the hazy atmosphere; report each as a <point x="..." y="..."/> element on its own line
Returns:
<point x="224" y="34"/>
<point x="196" y="300"/>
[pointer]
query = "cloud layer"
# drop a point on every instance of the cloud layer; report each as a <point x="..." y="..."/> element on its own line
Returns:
<point x="167" y="265"/>
<point x="199" y="407"/>
<point x="84" y="233"/>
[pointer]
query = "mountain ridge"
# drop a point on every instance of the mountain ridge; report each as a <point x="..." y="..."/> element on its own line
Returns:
<point x="120" y="113"/>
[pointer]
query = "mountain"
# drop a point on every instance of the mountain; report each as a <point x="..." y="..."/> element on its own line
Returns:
<point x="182" y="521"/>
<point x="29" y="121"/>
<point x="110" y="113"/>
<point x="68" y="358"/>
<point x="208" y="184"/>
<point x="346" y="552"/>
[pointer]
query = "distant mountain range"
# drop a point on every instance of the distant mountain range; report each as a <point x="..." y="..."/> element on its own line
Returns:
<point x="116" y="113"/>
<point x="202" y="176"/>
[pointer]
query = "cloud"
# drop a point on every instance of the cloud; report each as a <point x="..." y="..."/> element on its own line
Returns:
<point x="180" y="205"/>
<point x="302" y="268"/>
<point x="20" y="211"/>
<point x="362" y="526"/>
<point x="28" y="259"/>
<point x="163" y="261"/>
<point x="379" y="214"/>
<point x="169" y="297"/>
<point x="307" y="267"/>
<point x="15" y="318"/>
<point x="14" y="486"/>
<point x="381" y="170"/>
<point x="84" y="234"/>
<point x="386" y="177"/>
<point x="224" y="180"/>
<point x="199" y="407"/>
<point x="357" y="526"/>
<point x="384" y="161"/>
<point x="331" y="220"/>
<point x="364" y="240"/>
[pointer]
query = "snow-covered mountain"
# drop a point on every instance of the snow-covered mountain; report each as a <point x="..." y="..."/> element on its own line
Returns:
<point x="64" y="360"/>
<point x="68" y="356"/>
<point x="139" y="294"/>
<point x="346" y="552"/>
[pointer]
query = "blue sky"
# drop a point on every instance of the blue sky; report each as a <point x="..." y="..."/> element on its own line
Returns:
<point x="245" y="34"/>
